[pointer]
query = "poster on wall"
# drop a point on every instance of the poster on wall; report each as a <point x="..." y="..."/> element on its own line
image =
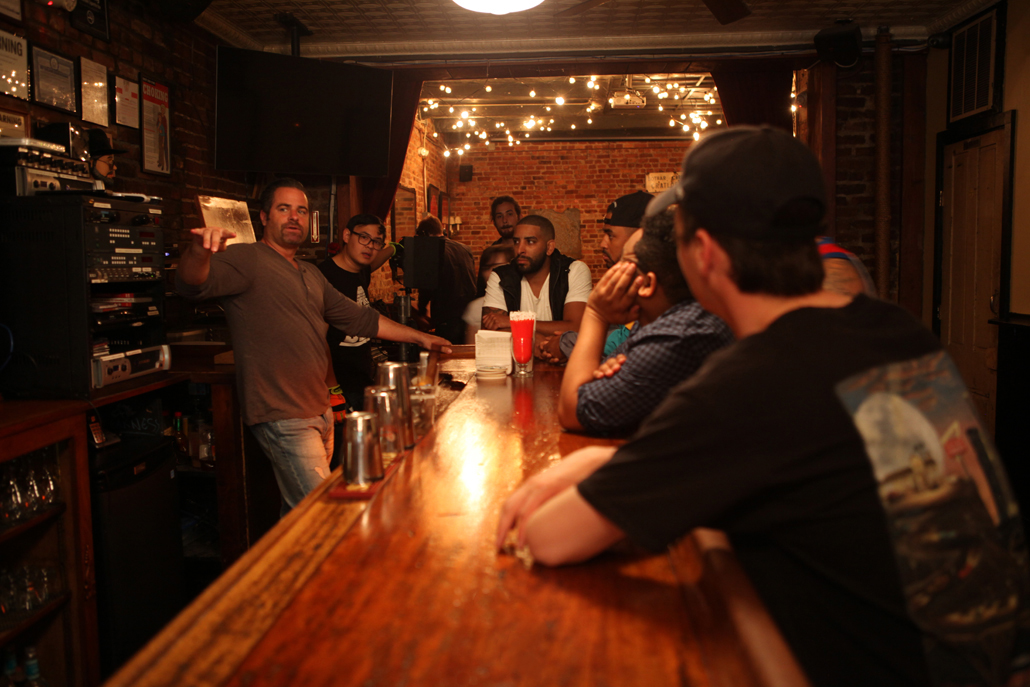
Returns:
<point x="11" y="8"/>
<point x="53" y="81"/>
<point x="157" y="144"/>
<point x="126" y="102"/>
<point x="93" y="78"/>
<point x="90" y="16"/>
<point x="14" y="66"/>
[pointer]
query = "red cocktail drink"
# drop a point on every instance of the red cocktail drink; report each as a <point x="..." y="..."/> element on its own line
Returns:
<point x="522" y="326"/>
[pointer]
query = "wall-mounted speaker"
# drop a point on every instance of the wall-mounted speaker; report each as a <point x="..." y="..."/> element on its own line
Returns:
<point x="465" y="173"/>
<point x="840" y="44"/>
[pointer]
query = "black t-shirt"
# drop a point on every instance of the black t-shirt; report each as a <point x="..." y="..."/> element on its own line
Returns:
<point x="352" y="355"/>
<point x="758" y="444"/>
<point x="457" y="284"/>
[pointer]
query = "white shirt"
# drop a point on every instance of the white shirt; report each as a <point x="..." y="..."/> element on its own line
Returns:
<point x="580" y="285"/>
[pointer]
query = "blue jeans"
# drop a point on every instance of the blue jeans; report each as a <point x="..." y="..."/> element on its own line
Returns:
<point x="300" y="450"/>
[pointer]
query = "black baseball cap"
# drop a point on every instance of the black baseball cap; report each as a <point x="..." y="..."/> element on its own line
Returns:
<point x="628" y="211"/>
<point x="100" y="145"/>
<point x="747" y="182"/>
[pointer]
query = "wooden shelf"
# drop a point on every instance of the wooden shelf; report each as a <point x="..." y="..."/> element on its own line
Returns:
<point x="9" y="633"/>
<point x="50" y="514"/>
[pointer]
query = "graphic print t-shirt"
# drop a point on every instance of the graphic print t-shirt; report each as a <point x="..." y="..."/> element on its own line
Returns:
<point x="352" y="355"/>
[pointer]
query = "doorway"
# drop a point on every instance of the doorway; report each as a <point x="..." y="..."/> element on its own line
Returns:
<point x="973" y="218"/>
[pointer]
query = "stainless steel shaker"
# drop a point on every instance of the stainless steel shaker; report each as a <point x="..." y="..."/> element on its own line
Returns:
<point x="385" y="404"/>
<point x="395" y="376"/>
<point x="363" y="462"/>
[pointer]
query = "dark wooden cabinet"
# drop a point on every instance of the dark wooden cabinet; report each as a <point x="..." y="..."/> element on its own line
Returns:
<point x="63" y="627"/>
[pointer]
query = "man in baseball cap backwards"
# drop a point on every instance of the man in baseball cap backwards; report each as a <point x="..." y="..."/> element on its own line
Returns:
<point x="834" y="443"/>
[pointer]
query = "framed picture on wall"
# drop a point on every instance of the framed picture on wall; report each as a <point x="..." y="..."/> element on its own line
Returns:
<point x="54" y="81"/>
<point x="433" y="200"/>
<point x="91" y="16"/>
<point x="94" y="92"/>
<point x="156" y="119"/>
<point x="14" y="65"/>
<point x="445" y="210"/>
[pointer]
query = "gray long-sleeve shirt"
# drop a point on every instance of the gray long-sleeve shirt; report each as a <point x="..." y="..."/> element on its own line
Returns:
<point x="279" y="315"/>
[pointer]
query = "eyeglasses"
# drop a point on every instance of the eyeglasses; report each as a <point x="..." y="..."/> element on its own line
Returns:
<point x="367" y="240"/>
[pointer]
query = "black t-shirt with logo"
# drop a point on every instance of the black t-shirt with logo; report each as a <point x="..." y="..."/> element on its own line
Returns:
<point x="351" y="355"/>
<point x="759" y="443"/>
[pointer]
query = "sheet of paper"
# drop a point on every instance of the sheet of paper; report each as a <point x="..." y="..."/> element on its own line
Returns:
<point x="493" y="351"/>
<point x="227" y="214"/>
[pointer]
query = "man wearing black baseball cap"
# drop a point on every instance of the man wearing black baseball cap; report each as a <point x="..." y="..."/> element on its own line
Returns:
<point x="834" y="443"/>
<point x="622" y="218"/>
<point x="102" y="153"/>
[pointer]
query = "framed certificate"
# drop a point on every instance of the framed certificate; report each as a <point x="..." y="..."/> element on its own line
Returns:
<point x="53" y="81"/>
<point x="94" y="92"/>
<point x="14" y="66"/>
<point x="126" y="102"/>
<point x="157" y="115"/>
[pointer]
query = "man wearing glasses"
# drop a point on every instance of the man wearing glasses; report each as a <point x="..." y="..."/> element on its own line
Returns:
<point x="350" y="271"/>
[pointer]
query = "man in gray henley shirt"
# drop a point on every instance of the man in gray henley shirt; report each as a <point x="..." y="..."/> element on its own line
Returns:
<point x="279" y="309"/>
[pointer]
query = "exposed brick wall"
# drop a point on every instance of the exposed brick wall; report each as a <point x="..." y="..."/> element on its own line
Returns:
<point x="856" y="164"/>
<point x="555" y="176"/>
<point x="176" y="53"/>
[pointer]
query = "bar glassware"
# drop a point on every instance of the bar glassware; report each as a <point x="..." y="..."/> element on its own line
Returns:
<point x="363" y="462"/>
<point x="523" y="327"/>
<point x="382" y="401"/>
<point x="395" y="376"/>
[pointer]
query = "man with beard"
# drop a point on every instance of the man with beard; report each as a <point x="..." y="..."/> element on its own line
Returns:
<point x="278" y="308"/>
<point x="622" y="219"/>
<point x="540" y="279"/>
<point x="505" y="213"/>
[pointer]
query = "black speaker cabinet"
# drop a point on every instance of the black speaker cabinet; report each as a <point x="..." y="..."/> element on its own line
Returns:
<point x="840" y="44"/>
<point x="465" y="173"/>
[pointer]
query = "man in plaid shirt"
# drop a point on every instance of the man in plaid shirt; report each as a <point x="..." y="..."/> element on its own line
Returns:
<point x="671" y="340"/>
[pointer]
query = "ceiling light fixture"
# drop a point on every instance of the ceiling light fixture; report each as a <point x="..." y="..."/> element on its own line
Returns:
<point x="498" y="6"/>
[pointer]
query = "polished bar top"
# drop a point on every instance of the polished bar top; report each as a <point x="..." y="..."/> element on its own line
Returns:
<point x="407" y="589"/>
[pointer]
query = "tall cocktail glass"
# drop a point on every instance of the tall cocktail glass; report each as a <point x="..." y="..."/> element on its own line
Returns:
<point x="523" y="326"/>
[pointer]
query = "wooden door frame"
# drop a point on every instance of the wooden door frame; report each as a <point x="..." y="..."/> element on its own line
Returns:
<point x="1007" y="122"/>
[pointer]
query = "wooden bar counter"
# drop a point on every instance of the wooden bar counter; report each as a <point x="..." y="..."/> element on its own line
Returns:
<point x="407" y="589"/>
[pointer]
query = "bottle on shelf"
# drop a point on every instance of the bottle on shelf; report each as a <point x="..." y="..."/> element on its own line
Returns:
<point x="32" y="677"/>
<point x="13" y="674"/>
<point x="182" y="444"/>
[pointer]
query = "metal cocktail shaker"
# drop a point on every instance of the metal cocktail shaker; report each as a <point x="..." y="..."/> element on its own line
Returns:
<point x="395" y="376"/>
<point x="363" y="462"/>
<point x="385" y="404"/>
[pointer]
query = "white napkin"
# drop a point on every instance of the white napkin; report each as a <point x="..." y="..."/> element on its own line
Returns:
<point x="493" y="351"/>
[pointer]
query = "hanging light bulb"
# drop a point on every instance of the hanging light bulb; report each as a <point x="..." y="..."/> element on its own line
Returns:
<point x="686" y="127"/>
<point x="532" y="94"/>
<point x="573" y="126"/>
<point x="718" y="121"/>
<point x="560" y="100"/>
<point x="464" y="114"/>
<point x="497" y="6"/>
<point x="467" y="146"/>
<point x="572" y="79"/>
<point x="446" y="153"/>
<point x="660" y="108"/>
<point x="697" y="136"/>
<point x="448" y="89"/>
<point x="489" y="88"/>
<point x="442" y="87"/>
<point x="590" y="121"/>
<point x="672" y="122"/>
<point x="460" y="151"/>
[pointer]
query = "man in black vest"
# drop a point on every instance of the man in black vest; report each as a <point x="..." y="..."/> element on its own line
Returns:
<point x="540" y="279"/>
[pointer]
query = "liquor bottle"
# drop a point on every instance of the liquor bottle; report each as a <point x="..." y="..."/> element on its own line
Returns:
<point x="13" y="675"/>
<point x="182" y="444"/>
<point x="32" y="678"/>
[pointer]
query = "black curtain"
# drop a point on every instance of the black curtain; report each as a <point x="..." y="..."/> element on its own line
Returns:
<point x="756" y="92"/>
<point x="377" y="194"/>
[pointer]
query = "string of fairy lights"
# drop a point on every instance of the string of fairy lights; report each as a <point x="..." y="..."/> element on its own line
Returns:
<point x="468" y="112"/>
